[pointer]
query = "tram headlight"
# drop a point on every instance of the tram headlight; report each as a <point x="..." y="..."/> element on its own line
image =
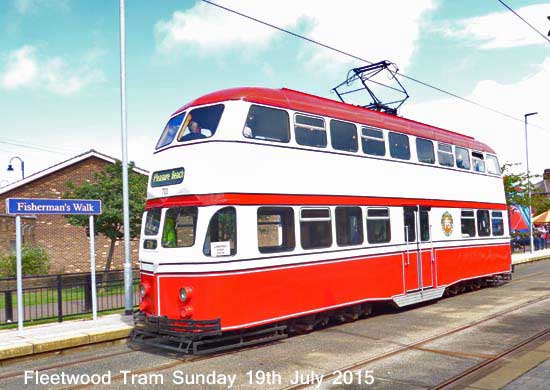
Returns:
<point x="185" y="293"/>
<point x="143" y="289"/>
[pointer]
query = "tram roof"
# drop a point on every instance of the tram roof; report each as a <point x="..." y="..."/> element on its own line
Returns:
<point x="304" y="102"/>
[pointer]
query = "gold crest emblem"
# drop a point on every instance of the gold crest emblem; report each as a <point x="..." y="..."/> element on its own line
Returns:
<point x="447" y="223"/>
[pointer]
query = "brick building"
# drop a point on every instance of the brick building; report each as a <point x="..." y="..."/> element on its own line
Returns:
<point x="67" y="245"/>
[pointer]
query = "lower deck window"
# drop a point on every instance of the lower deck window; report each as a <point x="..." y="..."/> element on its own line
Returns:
<point x="468" y="223"/>
<point x="349" y="226"/>
<point x="152" y="222"/>
<point x="275" y="229"/>
<point x="315" y="228"/>
<point x="221" y="237"/>
<point x="483" y="223"/>
<point x="180" y="225"/>
<point x="497" y="223"/>
<point x="378" y="225"/>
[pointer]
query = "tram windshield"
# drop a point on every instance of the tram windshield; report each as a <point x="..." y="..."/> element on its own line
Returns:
<point x="201" y="123"/>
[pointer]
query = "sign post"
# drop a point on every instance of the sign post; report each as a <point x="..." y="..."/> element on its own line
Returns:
<point x="28" y="206"/>
<point x="19" y="272"/>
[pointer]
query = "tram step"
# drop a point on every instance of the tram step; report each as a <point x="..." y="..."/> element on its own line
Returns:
<point x="418" y="296"/>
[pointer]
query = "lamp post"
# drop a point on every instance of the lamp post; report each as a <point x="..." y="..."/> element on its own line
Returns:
<point x="531" y="240"/>
<point x="10" y="166"/>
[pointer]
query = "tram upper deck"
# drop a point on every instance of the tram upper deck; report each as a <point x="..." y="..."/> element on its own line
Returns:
<point x="281" y="142"/>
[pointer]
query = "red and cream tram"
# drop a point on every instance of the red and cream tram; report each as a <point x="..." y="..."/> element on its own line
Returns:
<point x="272" y="206"/>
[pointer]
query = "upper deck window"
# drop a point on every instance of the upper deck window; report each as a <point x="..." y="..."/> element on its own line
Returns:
<point x="201" y="123"/>
<point x="343" y="136"/>
<point x="425" y="151"/>
<point x="462" y="158"/>
<point x="399" y="146"/>
<point x="266" y="123"/>
<point x="310" y="131"/>
<point x="478" y="162"/>
<point x="492" y="164"/>
<point x="372" y="141"/>
<point x="445" y="155"/>
<point x="170" y="130"/>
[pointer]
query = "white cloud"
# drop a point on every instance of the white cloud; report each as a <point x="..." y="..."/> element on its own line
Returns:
<point x="371" y="31"/>
<point x="501" y="29"/>
<point x="25" y="68"/>
<point x="21" y="68"/>
<point x="504" y="135"/>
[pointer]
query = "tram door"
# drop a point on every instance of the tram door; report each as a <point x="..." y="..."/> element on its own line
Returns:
<point x="418" y="255"/>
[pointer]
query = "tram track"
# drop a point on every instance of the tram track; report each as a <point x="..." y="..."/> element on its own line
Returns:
<point x="176" y="361"/>
<point x="418" y="345"/>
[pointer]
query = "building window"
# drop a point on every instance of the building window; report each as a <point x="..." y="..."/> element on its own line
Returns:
<point x="478" y="162"/>
<point x="310" y="131"/>
<point x="497" y="223"/>
<point x="425" y="151"/>
<point x="180" y="225"/>
<point x="266" y="123"/>
<point x="201" y="123"/>
<point x="152" y="222"/>
<point x="372" y="141"/>
<point x="275" y="229"/>
<point x="399" y="146"/>
<point x="462" y="158"/>
<point x="492" y="164"/>
<point x="170" y="130"/>
<point x="468" y="223"/>
<point x="343" y="136"/>
<point x="445" y="155"/>
<point x="378" y="225"/>
<point x="483" y="223"/>
<point x="349" y="226"/>
<point x="315" y="228"/>
<point x="221" y="237"/>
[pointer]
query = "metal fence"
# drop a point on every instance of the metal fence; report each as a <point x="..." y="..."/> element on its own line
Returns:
<point x="58" y="296"/>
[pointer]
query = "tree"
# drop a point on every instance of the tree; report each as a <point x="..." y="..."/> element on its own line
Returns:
<point x="107" y="186"/>
<point x="34" y="261"/>
<point x="516" y="189"/>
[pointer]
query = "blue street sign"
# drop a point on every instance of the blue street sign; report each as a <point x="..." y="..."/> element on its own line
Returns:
<point x="26" y="206"/>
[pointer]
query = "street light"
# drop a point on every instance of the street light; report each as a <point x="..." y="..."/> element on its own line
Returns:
<point x="531" y="240"/>
<point x="10" y="166"/>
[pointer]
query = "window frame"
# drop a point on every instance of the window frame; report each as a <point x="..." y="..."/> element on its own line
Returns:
<point x="209" y="255"/>
<point x="386" y="218"/>
<point x="289" y="132"/>
<point x="312" y="219"/>
<point x="468" y="217"/>
<point x="310" y="127"/>
<point x="497" y="217"/>
<point x="366" y="138"/>
<point x="419" y="139"/>
<point x="457" y="148"/>
<point x="487" y="232"/>
<point x="291" y="224"/>
<point x="402" y="136"/>
<point x="360" y="227"/>
<point x="188" y="118"/>
<point x="479" y="157"/>
<point x="443" y="151"/>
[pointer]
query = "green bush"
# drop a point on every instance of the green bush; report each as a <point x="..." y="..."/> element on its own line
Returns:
<point x="35" y="261"/>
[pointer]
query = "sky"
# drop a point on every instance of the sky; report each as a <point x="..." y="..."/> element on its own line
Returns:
<point x="59" y="67"/>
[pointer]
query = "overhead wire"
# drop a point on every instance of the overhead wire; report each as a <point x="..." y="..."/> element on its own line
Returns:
<point x="524" y="21"/>
<point x="403" y="75"/>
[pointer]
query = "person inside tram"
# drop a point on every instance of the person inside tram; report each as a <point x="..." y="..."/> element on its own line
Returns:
<point x="195" y="131"/>
<point x="249" y="126"/>
<point x="169" y="235"/>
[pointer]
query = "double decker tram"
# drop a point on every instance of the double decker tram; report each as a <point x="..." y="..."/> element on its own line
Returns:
<point x="271" y="209"/>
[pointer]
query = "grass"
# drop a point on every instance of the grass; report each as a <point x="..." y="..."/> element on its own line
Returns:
<point x="45" y="296"/>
